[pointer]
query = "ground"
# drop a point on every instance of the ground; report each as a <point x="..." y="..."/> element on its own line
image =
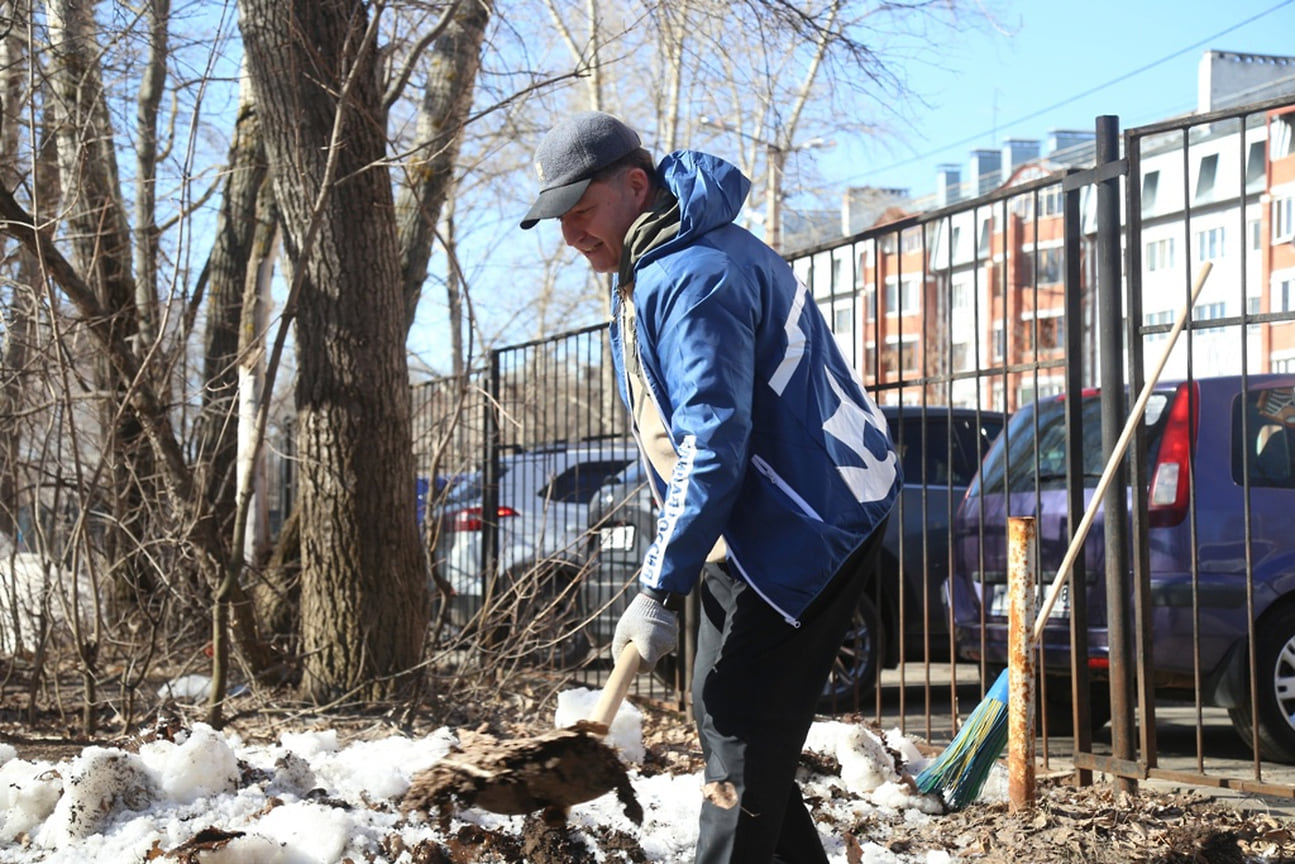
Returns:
<point x="1067" y="825"/>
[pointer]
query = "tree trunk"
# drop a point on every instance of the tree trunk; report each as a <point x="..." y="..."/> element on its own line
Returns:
<point x="456" y="57"/>
<point x="364" y="599"/>
<point x="233" y="254"/>
<point x="101" y="242"/>
<point x="20" y="309"/>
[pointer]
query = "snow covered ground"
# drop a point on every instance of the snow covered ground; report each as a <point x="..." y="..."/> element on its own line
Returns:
<point x="308" y="799"/>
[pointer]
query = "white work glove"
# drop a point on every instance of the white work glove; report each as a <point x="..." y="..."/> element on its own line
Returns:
<point x="652" y="628"/>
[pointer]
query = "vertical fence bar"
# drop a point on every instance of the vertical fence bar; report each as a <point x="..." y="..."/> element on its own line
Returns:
<point x="490" y="481"/>
<point x="1139" y="521"/>
<point x="1110" y="303"/>
<point x="1081" y="686"/>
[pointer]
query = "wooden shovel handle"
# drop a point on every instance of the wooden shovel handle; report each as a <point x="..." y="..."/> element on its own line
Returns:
<point x="618" y="684"/>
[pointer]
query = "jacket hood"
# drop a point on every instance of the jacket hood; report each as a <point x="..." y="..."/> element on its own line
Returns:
<point x="710" y="191"/>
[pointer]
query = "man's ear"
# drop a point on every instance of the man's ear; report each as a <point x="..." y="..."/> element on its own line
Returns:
<point x="641" y="186"/>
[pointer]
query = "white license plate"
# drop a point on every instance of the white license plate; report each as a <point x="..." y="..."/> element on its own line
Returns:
<point x="619" y="537"/>
<point x="998" y="602"/>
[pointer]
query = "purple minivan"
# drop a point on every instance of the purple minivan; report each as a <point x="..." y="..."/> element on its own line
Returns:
<point x="1209" y="446"/>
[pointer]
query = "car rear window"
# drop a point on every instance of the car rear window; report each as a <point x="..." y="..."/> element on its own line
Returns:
<point x="579" y="482"/>
<point x="951" y="451"/>
<point x="1266" y="438"/>
<point x="1031" y="454"/>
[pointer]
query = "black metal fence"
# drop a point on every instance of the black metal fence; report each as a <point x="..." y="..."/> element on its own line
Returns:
<point x="1064" y="279"/>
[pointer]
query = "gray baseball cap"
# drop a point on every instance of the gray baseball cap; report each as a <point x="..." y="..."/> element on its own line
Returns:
<point x="571" y="154"/>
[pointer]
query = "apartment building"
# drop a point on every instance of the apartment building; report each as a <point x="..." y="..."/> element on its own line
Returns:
<point x="958" y="298"/>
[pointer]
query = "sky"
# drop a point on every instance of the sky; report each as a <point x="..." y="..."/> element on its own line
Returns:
<point x="1058" y="64"/>
<point x="1046" y="65"/>
<point x="108" y="804"/>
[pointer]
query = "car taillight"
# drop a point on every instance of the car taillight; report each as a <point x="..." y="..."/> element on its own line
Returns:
<point x="469" y="518"/>
<point x="1171" y="477"/>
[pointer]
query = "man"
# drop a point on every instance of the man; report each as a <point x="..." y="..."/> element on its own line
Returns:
<point x="774" y="470"/>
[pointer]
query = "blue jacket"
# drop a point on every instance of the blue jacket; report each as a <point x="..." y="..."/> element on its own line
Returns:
<point x="780" y="450"/>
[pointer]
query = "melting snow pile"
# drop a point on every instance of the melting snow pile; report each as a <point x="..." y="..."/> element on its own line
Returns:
<point x="308" y="799"/>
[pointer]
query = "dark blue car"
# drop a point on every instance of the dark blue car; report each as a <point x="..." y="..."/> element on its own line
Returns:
<point x="1209" y="445"/>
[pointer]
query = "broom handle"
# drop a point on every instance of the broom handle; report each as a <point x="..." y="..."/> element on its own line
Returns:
<point x="1112" y="464"/>
<point x="618" y="684"/>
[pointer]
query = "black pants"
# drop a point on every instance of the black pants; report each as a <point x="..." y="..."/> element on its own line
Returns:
<point x="756" y="685"/>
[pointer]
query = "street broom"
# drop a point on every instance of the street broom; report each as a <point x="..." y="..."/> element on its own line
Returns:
<point x="960" y="771"/>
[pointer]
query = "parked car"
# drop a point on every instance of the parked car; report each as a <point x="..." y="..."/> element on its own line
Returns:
<point x="1209" y="444"/>
<point x="542" y="513"/>
<point x="940" y="450"/>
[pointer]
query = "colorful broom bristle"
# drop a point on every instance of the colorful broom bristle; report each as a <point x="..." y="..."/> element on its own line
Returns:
<point x="961" y="770"/>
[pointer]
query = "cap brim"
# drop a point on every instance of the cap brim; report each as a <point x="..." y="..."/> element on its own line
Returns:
<point x="555" y="202"/>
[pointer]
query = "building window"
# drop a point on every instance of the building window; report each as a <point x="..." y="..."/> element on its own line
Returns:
<point x="1283" y="219"/>
<point x="842" y="322"/>
<point x="1154" y="319"/>
<point x="1000" y="341"/>
<point x="903" y="298"/>
<point x="1256" y="235"/>
<point x="1051" y="266"/>
<point x="1149" y="184"/>
<point x="1209" y="244"/>
<point x="1051" y="385"/>
<point x="901" y="356"/>
<point x="960" y="296"/>
<point x="1209" y="312"/>
<point x="1256" y="168"/>
<point x="1044" y="333"/>
<point x="1283" y="364"/>
<point x="1281" y="299"/>
<point x="958" y="362"/>
<point x="870" y="303"/>
<point x="1205" y="178"/>
<point x="1283" y="142"/>
<point x="1160" y="254"/>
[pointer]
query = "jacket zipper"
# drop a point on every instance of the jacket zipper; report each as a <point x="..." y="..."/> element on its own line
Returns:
<point x="767" y="470"/>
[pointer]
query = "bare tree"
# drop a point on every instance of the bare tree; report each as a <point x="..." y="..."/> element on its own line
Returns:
<point x="364" y="603"/>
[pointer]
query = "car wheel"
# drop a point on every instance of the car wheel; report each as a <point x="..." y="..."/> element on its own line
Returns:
<point x="854" y="674"/>
<point x="1275" y="660"/>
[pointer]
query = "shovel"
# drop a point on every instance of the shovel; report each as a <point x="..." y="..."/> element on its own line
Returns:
<point x="548" y="772"/>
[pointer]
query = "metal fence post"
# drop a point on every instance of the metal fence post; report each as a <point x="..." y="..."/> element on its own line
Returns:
<point x="1110" y="308"/>
<point x="490" y="484"/>
<point x="1022" y="596"/>
<point x="1076" y="370"/>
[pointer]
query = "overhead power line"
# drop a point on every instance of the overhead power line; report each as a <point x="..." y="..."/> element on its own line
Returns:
<point x="971" y="139"/>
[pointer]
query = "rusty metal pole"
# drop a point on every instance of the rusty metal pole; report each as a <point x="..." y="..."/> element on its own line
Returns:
<point x="1022" y="598"/>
